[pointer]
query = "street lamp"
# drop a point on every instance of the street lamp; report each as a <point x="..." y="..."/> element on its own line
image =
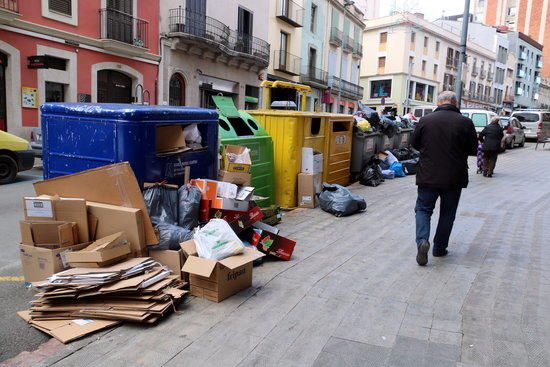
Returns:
<point x="461" y="58"/>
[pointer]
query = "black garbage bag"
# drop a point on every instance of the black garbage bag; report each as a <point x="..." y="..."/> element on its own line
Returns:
<point x="170" y="237"/>
<point x="338" y="200"/>
<point x="388" y="127"/>
<point x="162" y="204"/>
<point x="189" y="202"/>
<point x="409" y="166"/>
<point x="402" y="154"/>
<point x="370" y="177"/>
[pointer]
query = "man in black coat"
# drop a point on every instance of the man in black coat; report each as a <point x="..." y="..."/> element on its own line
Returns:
<point x="445" y="139"/>
<point x="491" y="137"/>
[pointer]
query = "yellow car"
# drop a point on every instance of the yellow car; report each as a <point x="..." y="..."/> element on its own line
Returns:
<point x="16" y="155"/>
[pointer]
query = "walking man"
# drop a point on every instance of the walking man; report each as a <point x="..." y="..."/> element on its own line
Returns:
<point x="445" y="139"/>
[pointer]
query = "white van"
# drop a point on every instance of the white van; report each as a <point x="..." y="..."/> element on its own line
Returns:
<point x="479" y="117"/>
<point x="532" y="120"/>
<point x="421" y="111"/>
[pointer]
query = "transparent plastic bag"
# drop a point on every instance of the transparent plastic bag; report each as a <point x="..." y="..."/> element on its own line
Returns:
<point x="242" y="157"/>
<point x="216" y="241"/>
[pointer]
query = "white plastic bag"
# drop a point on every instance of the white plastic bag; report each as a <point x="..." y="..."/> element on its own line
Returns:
<point x="192" y="134"/>
<point x="243" y="157"/>
<point x="216" y="241"/>
<point x="390" y="159"/>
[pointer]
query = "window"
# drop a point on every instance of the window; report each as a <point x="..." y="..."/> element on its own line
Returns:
<point x="380" y="88"/>
<point x="425" y="42"/>
<point x="435" y="70"/>
<point x="381" y="65"/>
<point x="411" y="62"/>
<point x="431" y="92"/>
<point x="251" y="97"/>
<point x="423" y="66"/>
<point x="176" y="93"/>
<point x="383" y="41"/>
<point x="413" y="38"/>
<point x="437" y="44"/>
<point x="411" y="90"/>
<point x="313" y="24"/>
<point x="420" y="90"/>
<point x="479" y="119"/>
<point x="61" y="6"/>
<point x="55" y="92"/>
<point x="56" y="63"/>
<point x="283" y="53"/>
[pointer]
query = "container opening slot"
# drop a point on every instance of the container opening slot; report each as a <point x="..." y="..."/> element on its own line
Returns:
<point x="339" y="126"/>
<point x="169" y="139"/>
<point x="315" y="126"/>
<point x="240" y="126"/>
<point x="224" y="125"/>
<point x="252" y="124"/>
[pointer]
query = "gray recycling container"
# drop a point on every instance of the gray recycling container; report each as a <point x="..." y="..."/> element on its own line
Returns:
<point x="365" y="145"/>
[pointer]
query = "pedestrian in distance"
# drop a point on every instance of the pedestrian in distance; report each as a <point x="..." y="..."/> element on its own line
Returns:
<point x="445" y="138"/>
<point x="491" y="138"/>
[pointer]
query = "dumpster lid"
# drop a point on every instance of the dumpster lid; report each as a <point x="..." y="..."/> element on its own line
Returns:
<point x="226" y="106"/>
<point x="130" y="112"/>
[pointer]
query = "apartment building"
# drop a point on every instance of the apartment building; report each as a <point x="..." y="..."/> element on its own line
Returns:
<point x="544" y="94"/>
<point x="527" y="70"/>
<point x="412" y="60"/>
<point x="209" y="50"/>
<point x="530" y="17"/>
<point x="314" y="64"/>
<point x="69" y="51"/>
<point x="344" y="37"/>
<point x="485" y="85"/>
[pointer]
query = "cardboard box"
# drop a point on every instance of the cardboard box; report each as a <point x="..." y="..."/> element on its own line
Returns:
<point x="40" y="263"/>
<point x="312" y="161"/>
<point x="309" y="185"/>
<point x="218" y="280"/>
<point x="114" y="184"/>
<point x="237" y="178"/>
<point x="212" y="189"/>
<point x="174" y="260"/>
<point x="112" y="219"/>
<point x="245" y="193"/>
<point x="46" y="208"/>
<point x="170" y="139"/>
<point x="105" y="251"/>
<point x="230" y="204"/>
<point x="239" y="221"/>
<point x="228" y="151"/>
<point x="52" y="234"/>
<point x="273" y="244"/>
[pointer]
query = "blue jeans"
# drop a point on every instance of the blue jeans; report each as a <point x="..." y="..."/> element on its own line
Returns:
<point x="425" y="204"/>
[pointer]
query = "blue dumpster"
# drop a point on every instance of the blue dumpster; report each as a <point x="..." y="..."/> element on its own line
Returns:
<point x="81" y="136"/>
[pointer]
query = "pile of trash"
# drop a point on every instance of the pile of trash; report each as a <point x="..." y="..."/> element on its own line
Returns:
<point x="388" y="165"/>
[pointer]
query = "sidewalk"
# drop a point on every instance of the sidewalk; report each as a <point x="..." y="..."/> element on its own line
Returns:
<point x="354" y="296"/>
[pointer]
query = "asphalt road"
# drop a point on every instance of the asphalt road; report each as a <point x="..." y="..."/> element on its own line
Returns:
<point x="15" y="336"/>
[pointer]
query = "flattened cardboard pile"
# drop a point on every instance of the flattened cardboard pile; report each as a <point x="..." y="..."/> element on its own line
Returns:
<point x="137" y="290"/>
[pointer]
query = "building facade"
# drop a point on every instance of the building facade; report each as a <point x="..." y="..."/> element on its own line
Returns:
<point x="530" y="17"/>
<point x="209" y="50"/>
<point x="413" y="60"/>
<point x="69" y="51"/>
<point x="344" y="37"/>
<point x="527" y="70"/>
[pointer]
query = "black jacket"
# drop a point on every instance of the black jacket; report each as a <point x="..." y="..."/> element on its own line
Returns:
<point x="491" y="136"/>
<point x="445" y="139"/>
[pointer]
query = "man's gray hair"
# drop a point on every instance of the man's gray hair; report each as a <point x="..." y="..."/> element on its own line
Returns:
<point x="447" y="97"/>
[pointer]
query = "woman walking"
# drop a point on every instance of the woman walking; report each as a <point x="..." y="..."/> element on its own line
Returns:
<point x="491" y="137"/>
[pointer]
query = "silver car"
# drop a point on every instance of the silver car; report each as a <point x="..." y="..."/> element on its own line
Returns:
<point x="513" y="132"/>
<point x="532" y="120"/>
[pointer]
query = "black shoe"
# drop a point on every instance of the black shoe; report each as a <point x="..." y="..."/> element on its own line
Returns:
<point x="439" y="253"/>
<point x="490" y="175"/>
<point x="422" y="254"/>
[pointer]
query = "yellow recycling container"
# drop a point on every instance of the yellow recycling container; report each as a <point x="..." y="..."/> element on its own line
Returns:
<point x="330" y="134"/>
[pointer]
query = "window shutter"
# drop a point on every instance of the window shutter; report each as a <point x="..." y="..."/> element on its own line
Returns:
<point x="61" y="6"/>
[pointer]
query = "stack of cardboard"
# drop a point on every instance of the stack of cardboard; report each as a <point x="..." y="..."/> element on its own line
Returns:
<point x="138" y="290"/>
<point x="310" y="180"/>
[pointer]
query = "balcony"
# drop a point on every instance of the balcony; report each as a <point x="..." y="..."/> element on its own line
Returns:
<point x="482" y="74"/>
<point x="348" y="44"/>
<point x="520" y="73"/>
<point x="519" y="91"/>
<point x="314" y="77"/>
<point x="538" y="80"/>
<point x="452" y="63"/>
<point x="208" y="36"/>
<point x="9" y="10"/>
<point x="345" y="88"/>
<point x="490" y="76"/>
<point x="122" y="32"/>
<point x="539" y="64"/>
<point x="290" y="12"/>
<point x="522" y="56"/>
<point x="336" y="36"/>
<point x="475" y="71"/>
<point x="357" y="49"/>
<point x="286" y="62"/>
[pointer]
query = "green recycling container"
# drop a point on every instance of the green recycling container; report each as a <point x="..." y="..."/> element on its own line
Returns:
<point x="239" y="128"/>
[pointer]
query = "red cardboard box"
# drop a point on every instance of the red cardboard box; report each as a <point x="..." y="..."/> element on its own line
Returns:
<point x="273" y="244"/>
<point x="239" y="221"/>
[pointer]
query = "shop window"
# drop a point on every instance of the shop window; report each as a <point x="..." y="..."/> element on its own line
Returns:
<point x="431" y="92"/>
<point x="419" y="92"/>
<point x="380" y="88"/>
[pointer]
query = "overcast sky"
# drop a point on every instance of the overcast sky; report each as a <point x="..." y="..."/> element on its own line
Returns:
<point x="432" y="9"/>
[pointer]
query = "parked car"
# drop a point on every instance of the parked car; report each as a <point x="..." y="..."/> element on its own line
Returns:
<point x="480" y="117"/>
<point x="36" y="141"/>
<point x="513" y="132"/>
<point x="16" y="155"/>
<point x="532" y="120"/>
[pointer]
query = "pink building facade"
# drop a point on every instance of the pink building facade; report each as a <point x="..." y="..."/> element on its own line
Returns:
<point x="75" y="51"/>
